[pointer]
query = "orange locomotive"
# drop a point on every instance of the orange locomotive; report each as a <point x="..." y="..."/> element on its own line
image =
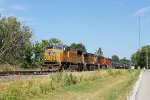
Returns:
<point x="60" y="57"/>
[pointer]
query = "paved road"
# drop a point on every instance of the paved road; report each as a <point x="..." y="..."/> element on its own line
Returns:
<point x="144" y="89"/>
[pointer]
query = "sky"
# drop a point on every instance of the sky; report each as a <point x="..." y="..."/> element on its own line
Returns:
<point x="112" y="25"/>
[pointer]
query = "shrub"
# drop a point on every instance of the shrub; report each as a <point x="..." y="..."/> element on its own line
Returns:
<point x="45" y="88"/>
<point x="25" y="65"/>
<point x="70" y="79"/>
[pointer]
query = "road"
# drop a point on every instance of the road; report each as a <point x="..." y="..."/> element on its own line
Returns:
<point x="144" y="89"/>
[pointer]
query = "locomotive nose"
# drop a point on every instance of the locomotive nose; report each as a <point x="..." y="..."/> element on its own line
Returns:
<point x="53" y="57"/>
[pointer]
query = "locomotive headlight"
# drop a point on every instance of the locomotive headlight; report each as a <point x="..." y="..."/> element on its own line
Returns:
<point x="45" y="58"/>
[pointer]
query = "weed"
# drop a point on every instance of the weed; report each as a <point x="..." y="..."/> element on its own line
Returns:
<point x="70" y="79"/>
<point x="13" y="93"/>
<point x="44" y="88"/>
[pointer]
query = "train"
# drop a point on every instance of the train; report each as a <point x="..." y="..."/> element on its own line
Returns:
<point x="118" y="65"/>
<point x="63" y="57"/>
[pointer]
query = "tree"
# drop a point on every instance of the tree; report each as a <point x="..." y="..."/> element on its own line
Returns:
<point x="99" y="52"/>
<point x="140" y="57"/>
<point x="14" y="38"/>
<point x="124" y="61"/>
<point x="73" y="45"/>
<point x="79" y="46"/>
<point x="44" y="43"/>
<point x="115" y="58"/>
<point x="134" y="59"/>
<point x="54" y="41"/>
<point x="27" y="61"/>
<point x="38" y="50"/>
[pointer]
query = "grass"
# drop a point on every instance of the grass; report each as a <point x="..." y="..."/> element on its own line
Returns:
<point x="7" y="67"/>
<point x="94" y="85"/>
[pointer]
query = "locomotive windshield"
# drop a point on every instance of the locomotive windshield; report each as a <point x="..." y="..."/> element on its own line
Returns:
<point x="49" y="47"/>
<point x="59" y="47"/>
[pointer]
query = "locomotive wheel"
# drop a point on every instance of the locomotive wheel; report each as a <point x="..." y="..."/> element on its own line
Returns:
<point x="74" y="67"/>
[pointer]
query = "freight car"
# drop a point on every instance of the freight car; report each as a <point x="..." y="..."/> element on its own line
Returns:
<point x="118" y="65"/>
<point x="62" y="57"/>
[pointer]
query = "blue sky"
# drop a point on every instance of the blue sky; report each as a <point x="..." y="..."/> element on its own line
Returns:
<point x="109" y="24"/>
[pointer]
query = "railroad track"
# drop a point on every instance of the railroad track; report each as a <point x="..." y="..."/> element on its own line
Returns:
<point x="7" y="73"/>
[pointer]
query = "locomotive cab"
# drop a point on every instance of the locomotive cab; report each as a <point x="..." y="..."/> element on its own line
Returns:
<point x="52" y="56"/>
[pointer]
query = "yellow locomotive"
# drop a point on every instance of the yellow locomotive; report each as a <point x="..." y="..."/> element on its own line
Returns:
<point x="90" y="61"/>
<point x="63" y="57"/>
<point x="58" y="57"/>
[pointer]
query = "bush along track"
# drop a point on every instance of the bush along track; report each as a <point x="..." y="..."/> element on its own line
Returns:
<point x="96" y="85"/>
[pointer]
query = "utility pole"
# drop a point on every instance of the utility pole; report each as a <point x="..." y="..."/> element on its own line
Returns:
<point x="147" y="57"/>
<point x="139" y="33"/>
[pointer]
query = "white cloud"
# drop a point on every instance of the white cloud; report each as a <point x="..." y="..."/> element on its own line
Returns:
<point x="18" y="7"/>
<point x="142" y="11"/>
